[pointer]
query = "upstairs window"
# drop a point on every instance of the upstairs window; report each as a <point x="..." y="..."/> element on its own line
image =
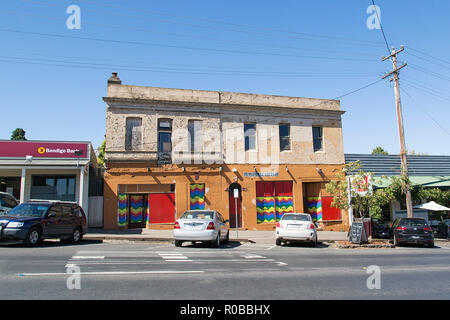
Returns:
<point x="285" y="139"/>
<point x="250" y="136"/>
<point x="317" y="138"/>
<point x="164" y="136"/>
<point x="133" y="135"/>
<point x="195" y="135"/>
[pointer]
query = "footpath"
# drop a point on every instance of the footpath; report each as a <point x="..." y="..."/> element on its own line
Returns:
<point x="259" y="237"/>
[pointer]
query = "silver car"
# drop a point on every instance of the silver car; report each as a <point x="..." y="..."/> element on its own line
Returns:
<point x="7" y="202"/>
<point x="296" y="227"/>
<point x="201" y="225"/>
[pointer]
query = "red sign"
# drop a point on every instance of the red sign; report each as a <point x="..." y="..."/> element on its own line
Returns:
<point x="21" y="149"/>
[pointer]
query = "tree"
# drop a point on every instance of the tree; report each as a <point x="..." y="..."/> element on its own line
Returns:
<point x="18" y="135"/>
<point x="379" y="151"/>
<point x="369" y="203"/>
<point x="101" y="154"/>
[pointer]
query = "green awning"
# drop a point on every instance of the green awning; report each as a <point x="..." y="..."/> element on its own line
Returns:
<point x="425" y="181"/>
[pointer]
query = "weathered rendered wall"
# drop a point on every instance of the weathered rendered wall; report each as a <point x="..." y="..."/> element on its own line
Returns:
<point x="224" y="113"/>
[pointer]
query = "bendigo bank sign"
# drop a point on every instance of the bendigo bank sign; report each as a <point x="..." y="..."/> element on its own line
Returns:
<point x="21" y="149"/>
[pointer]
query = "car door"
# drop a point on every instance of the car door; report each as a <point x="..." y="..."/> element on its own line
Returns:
<point x="52" y="223"/>
<point x="222" y="225"/>
<point x="67" y="220"/>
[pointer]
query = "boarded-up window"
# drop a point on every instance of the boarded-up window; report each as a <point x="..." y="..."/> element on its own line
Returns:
<point x="133" y="138"/>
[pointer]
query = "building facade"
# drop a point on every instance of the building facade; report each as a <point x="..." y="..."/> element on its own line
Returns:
<point x="50" y="170"/>
<point x="251" y="157"/>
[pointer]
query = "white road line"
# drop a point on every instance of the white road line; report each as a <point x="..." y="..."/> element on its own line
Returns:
<point x="109" y="273"/>
<point x="87" y="257"/>
<point x="271" y="247"/>
<point x="174" y="257"/>
<point x="170" y="254"/>
<point x="281" y="263"/>
<point x="176" y="260"/>
<point x="253" y="256"/>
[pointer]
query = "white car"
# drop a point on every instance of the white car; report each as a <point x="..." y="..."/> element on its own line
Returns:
<point x="201" y="225"/>
<point x="296" y="227"/>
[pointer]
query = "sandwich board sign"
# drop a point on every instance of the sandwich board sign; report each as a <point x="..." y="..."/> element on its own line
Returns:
<point x="357" y="233"/>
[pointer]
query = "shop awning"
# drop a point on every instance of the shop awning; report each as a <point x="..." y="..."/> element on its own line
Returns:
<point x="432" y="206"/>
<point x="425" y="181"/>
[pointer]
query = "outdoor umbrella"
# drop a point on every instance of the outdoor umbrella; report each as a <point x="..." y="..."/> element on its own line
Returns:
<point x="432" y="206"/>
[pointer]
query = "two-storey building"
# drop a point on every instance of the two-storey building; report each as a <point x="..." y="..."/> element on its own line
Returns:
<point x="252" y="157"/>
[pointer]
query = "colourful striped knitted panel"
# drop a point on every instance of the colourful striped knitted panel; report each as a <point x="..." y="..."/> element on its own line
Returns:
<point x="283" y="204"/>
<point x="265" y="209"/>
<point x="315" y="208"/>
<point x="147" y="211"/>
<point x="197" y="196"/>
<point x="136" y="208"/>
<point x="122" y="214"/>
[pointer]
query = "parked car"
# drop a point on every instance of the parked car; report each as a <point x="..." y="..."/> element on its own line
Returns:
<point x="412" y="230"/>
<point x="201" y="225"/>
<point x="296" y="227"/>
<point x="7" y="202"/>
<point x="381" y="229"/>
<point x="35" y="220"/>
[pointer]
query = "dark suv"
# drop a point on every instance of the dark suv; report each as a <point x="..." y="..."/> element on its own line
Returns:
<point x="35" y="220"/>
<point x="412" y="230"/>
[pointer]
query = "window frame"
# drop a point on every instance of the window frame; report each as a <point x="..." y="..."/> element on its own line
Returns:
<point x="129" y="135"/>
<point x="288" y="137"/>
<point x="248" y="136"/>
<point x="315" y="138"/>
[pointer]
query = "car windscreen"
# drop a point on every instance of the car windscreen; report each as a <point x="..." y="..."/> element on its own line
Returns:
<point x="198" y="215"/>
<point x="29" y="210"/>
<point x="298" y="217"/>
<point x="413" y="223"/>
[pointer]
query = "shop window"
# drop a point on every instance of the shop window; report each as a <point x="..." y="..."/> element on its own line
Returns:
<point x="53" y="188"/>
<point x="273" y="200"/>
<point x="317" y="138"/>
<point x="285" y="139"/>
<point x="195" y="135"/>
<point x="133" y="137"/>
<point x="250" y="136"/>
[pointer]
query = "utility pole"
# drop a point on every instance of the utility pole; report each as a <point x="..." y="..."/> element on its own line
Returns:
<point x="404" y="163"/>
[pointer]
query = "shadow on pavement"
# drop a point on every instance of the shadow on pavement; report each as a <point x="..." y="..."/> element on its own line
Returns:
<point x="306" y="245"/>
<point x="230" y="244"/>
<point x="48" y="244"/>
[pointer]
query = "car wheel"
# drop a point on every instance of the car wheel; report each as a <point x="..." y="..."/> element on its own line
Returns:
<point x="178" y="243"/>
<point x="278" y="242"/>
<point x="33" y="237"/>
<point x="227" y="239"/>
<point x="76" y="236"/>
<point x="216" y="243"/>
<point x="430" y="245"/>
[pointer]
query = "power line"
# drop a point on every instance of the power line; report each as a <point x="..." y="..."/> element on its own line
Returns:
<point x="357" y="42"/>
<point x="427" y="91"/>
<point x="381" y="27"/>
<point x="102" y="66"/>
<point x="424" y="111"/>
<point x="178" y="46"/>
<point x="192" y="37"/>
<point x="427" y="88"/>
<point x="432" y="73"/>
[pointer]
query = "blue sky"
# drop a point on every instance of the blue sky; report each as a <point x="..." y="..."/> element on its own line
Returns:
<point x="53" y="79"/>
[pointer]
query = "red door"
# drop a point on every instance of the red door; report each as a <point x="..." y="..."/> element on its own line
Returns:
<point x="235" y="205"/>
<point x="161" y="208"/>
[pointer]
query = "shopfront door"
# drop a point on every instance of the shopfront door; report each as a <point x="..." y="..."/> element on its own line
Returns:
<point x="235" y="201"/>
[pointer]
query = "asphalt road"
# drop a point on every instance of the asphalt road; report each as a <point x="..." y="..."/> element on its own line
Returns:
<point x="235" y="271"/>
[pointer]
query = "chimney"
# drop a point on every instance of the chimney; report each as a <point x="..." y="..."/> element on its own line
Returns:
<point x="114" y="79"/>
